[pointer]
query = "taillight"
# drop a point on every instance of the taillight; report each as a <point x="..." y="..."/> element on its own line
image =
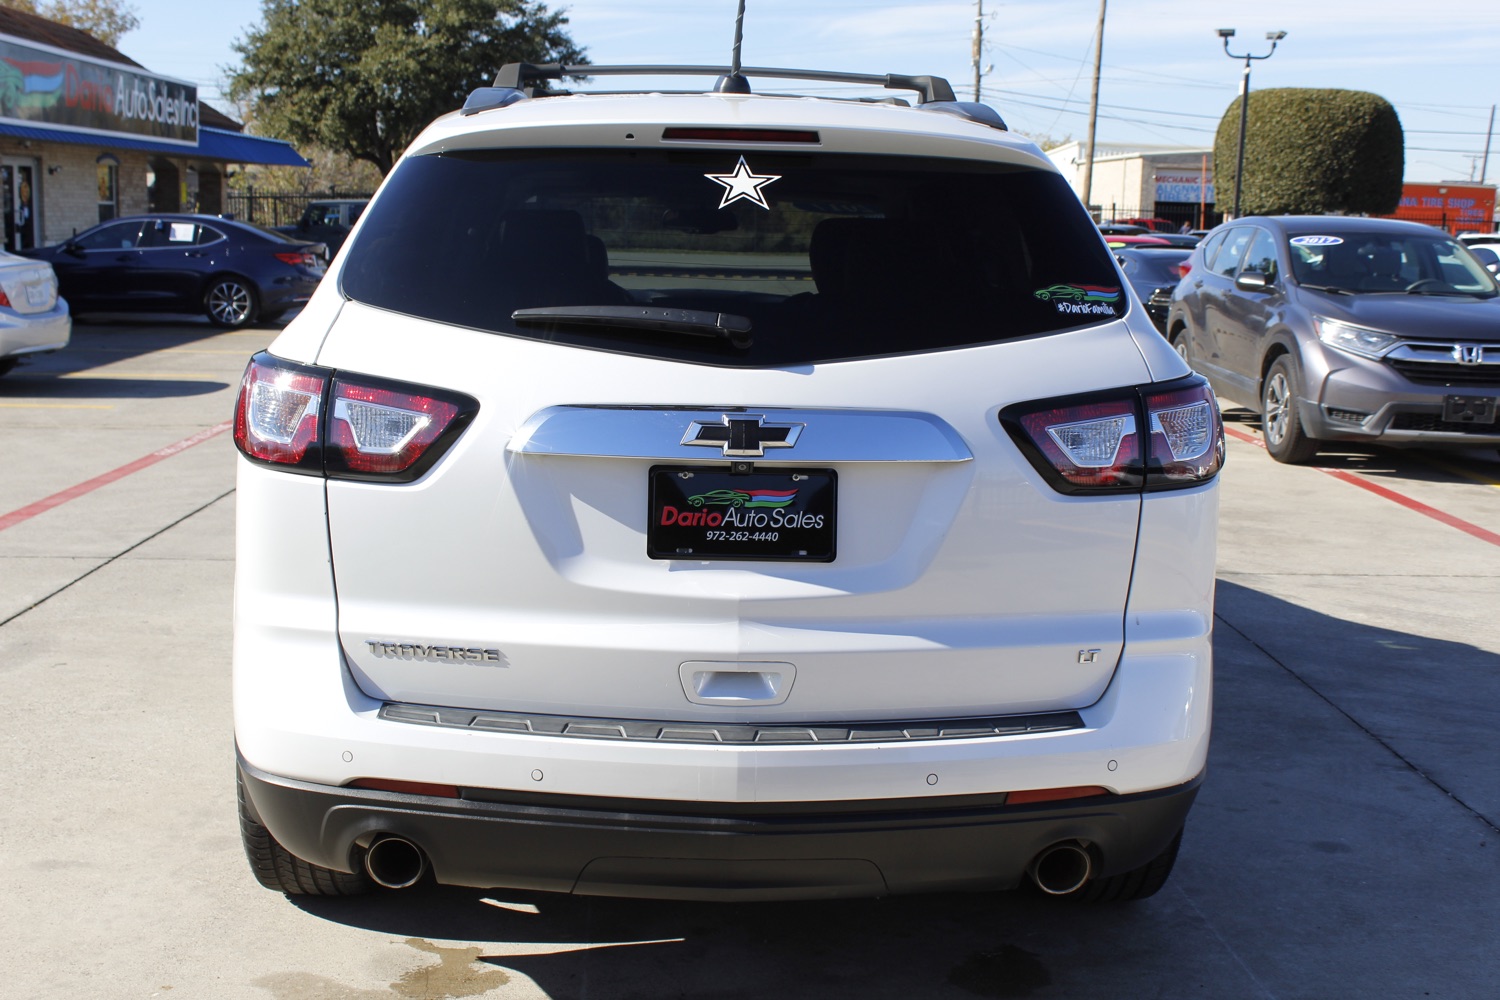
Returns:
<point x="276" y="416"/>
<point x="1154" y="437"/>
<point x="320" y="422"/>
<point x="1090" y="445"/>
<point x="1187" y="437"/>
<point x="1183" y="267"/>
<point x="298" y="258"/>
<point x="4" y="300"/>
<point x="383" y="431"/>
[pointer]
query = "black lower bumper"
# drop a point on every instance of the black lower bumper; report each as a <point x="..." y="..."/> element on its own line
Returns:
<point x="704" y="850"/>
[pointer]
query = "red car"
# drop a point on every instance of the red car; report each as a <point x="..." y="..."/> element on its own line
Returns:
<point x="1156" y="225"/>
<point x="1136" y="241"/>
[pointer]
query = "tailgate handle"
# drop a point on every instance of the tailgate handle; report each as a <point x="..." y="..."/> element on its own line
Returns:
<point x="729" y="682"/>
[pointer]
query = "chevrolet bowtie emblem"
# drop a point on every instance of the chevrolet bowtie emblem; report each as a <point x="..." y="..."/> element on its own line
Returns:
<point x="742" y="435"/>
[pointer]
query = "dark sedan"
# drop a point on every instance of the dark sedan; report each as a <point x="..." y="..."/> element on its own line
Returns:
<point x="232" y="272"/>
<point x="1153" y="271"/>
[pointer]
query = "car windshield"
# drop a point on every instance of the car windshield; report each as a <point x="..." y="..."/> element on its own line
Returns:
<point x="808" y="256"/>
<point x="1363" y="262"/>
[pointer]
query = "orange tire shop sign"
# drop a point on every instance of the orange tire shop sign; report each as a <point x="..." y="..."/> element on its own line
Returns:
<point x="1458" y="208"/>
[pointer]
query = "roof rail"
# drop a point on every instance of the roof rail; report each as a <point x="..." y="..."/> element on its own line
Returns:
<point x="526" y="76"/>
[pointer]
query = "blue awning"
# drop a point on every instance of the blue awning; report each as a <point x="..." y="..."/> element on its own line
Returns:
<point x="213" y="144"/>
<point x="237" y="147"/>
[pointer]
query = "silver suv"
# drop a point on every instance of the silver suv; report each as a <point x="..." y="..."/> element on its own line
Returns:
<point x="722" y="496"/>
<point x="1341" y="329"/>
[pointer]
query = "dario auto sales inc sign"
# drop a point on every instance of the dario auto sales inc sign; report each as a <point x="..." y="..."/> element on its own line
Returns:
<point x="50" y="88"/>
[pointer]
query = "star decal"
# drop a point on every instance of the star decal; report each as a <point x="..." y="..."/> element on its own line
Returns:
<point x="743" y="184"/>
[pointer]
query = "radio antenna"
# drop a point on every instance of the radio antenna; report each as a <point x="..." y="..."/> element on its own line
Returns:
<point x="735" y="82"/>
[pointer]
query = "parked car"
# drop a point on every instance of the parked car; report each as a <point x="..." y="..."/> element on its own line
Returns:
<point x="722" y="496"/>
<point x="1153" y="224"/>
<point x="1345" y="329"/>
<point x="327" y="221"/>
<point x="1186" y="240"/>
<point x="1487" y="254"/>
<point x="1154" y="272"/>
<point x="1115" y="242"/>
<point x="232" y="272"/>
<point x="33" y="318"/>
<point x="1122" y="229"/>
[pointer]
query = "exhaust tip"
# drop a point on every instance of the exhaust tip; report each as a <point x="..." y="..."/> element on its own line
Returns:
<point x="395" y="863"/>
<point x="1062" y="868"/>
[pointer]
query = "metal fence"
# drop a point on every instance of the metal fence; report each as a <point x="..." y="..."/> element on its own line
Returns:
<point x="1175" y="216"/>
<point x="279" y="209"/>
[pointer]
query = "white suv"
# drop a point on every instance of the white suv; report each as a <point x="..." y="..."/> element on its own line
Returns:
<point x="722" y="496"/>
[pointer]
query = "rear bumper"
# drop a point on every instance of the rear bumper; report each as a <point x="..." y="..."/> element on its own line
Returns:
<point x="715" y="851"/>
<point x="35" y="332"/>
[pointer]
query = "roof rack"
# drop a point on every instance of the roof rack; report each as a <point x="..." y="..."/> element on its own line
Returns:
<point x="526" y="77"/>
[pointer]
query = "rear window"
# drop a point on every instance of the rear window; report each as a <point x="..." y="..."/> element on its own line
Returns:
<point x="823" y="256"/>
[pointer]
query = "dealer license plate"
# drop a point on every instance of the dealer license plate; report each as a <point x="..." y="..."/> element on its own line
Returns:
<point x="36" y="295"/>
<point x="706" y="513"/>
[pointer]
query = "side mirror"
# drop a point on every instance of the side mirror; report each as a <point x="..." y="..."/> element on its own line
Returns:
<point x="1252" y="281"/>
<point x="72" y="247"/>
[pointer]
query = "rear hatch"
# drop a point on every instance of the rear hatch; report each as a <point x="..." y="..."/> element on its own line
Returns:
<point x="737" y="452"/>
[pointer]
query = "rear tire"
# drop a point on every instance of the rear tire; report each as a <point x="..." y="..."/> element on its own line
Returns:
<point x="1286" y="439"/>
<point x="1138" y="883"/>
<point x="280" y="871"/>
<point x="230" y="302"/>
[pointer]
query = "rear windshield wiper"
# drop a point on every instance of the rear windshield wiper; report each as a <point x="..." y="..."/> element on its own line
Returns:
<point x="693" y="322"/>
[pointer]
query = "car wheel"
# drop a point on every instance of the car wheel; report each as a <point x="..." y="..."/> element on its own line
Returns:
<point x="1180" y="345"/>
<point x="1285" y="438"/>
<point x="230" y="303"/>
<point x="279" y="870"/>
<point x="1138" y="883"/>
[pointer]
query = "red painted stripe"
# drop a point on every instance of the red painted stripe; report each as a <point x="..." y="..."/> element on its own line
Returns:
<point x="1418" y="506"/>
<point x="74" y="492"/>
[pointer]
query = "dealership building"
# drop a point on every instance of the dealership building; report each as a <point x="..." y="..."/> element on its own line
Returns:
<point x="88" y="134"/>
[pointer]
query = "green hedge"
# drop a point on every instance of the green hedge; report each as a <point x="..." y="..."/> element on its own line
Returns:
<point x="1312" y="152"/>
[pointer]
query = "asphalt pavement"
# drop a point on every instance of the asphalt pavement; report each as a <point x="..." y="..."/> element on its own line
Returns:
<point x="1346" y="842"/>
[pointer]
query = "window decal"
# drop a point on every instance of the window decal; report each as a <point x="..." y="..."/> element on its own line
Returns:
<point x="743" y="183"/>
<point x="1316" y="241"/>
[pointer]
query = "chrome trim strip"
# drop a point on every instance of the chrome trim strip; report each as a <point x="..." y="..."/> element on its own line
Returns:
<point x="741" y="734"/>
<point x="661" y="434"/>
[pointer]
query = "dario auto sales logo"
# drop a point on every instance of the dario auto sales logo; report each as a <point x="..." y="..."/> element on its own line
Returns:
<point x="741" y="509"/>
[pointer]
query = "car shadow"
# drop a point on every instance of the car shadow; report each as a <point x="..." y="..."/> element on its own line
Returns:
<point x="1300" y="695"/>
<point x="74" y="373"/>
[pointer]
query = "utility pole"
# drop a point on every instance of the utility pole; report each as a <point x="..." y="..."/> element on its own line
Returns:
<point x="1088" y="163"/>
<point x="978" y="45"/>
<point x="1489" y="133"/>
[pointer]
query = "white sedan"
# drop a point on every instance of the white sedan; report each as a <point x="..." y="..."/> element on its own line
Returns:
<point x="33" y="319"/>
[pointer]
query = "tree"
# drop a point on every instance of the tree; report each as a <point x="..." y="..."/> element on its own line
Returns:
<point x="106" y="20"/>
<point x="363" y="77"/>
<point x="1311" y="152"/>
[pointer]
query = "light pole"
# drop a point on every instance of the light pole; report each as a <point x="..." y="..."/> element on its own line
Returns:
<point x="1239" y="170"/>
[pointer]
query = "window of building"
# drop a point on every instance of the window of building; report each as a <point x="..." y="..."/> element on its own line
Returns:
<point x="109" y="187"/>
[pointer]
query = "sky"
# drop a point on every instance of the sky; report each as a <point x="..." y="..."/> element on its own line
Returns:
<point x="1166" y="79"/>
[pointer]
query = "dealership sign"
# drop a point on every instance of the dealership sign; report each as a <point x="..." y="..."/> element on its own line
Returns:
<point x="47" y="87"/>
